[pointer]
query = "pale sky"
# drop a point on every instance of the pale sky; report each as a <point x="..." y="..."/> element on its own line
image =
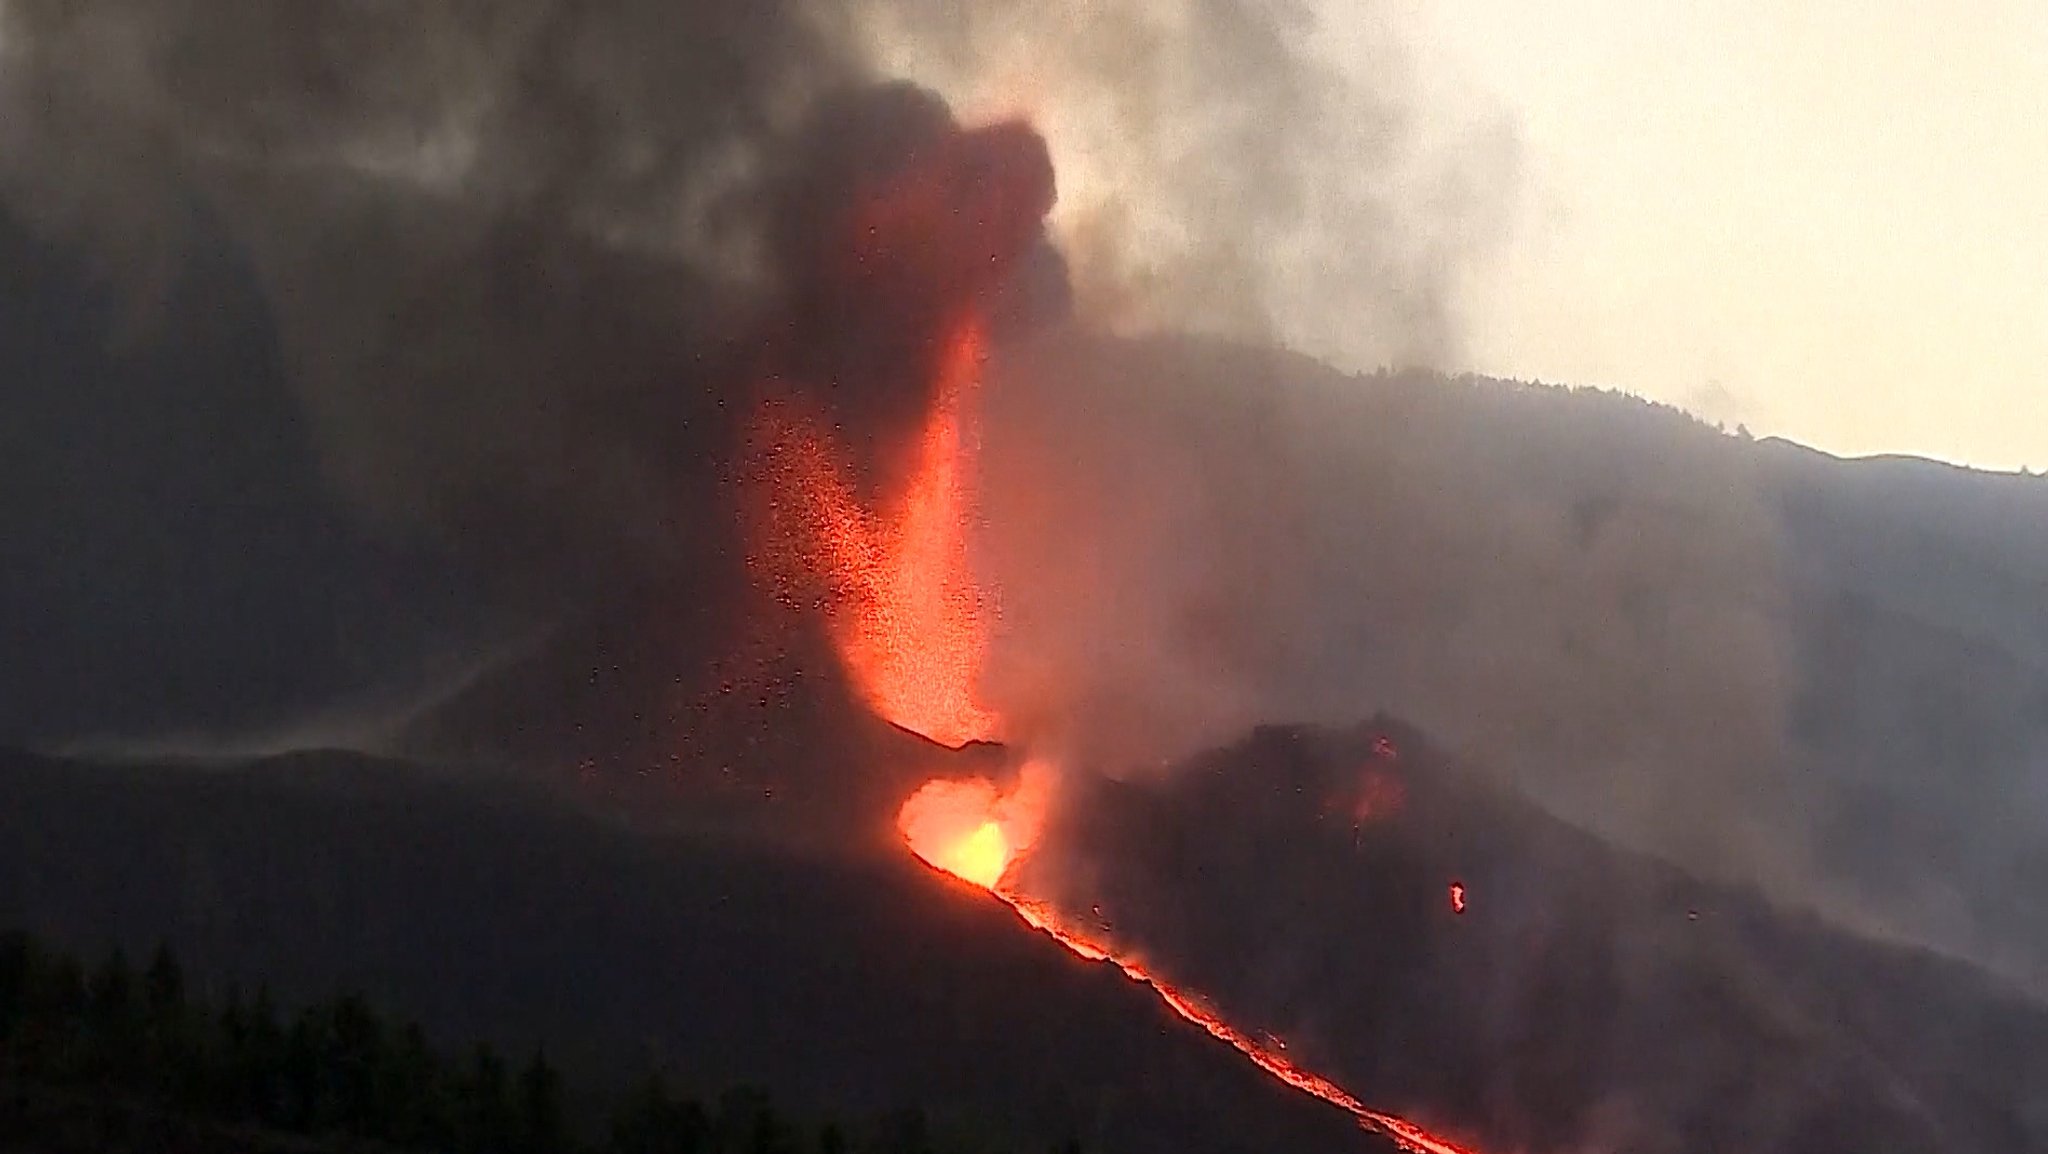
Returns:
<point x="1827" y="218"/>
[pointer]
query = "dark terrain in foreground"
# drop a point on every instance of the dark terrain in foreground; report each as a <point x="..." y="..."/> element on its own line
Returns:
<point x="99" y="1056"/>
<point x="1301" y="878"/>
<point x="849" y="983"/>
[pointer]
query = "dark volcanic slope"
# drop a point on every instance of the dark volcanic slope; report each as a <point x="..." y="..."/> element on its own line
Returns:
<point x="859" y="985"/>
<point x="1585" y="998"/>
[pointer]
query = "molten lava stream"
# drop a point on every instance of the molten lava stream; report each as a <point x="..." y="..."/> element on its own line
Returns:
<point x="971" y="830"/>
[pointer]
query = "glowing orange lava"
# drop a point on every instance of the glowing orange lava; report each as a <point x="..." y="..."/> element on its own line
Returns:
<point x="973" y="831"/>
<point x="917" y="633"/>
<point x="909" y="622"/>
<point x="1457" y="897"/>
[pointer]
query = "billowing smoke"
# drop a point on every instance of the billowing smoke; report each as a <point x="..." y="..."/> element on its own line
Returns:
<point x="1227" y="169"/>
<point x="523" y="261"/>
<point x="511" y="271"/>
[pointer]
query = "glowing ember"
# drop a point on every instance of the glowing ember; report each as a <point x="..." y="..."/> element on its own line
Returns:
<point x="1457" y="897"/>
<point x="973" y="831"/>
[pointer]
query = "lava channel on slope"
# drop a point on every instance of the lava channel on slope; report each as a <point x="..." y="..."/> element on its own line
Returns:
<point x="977" y="833"/>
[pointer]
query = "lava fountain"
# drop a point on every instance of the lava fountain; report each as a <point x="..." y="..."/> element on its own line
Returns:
<point x="916" y="631"/>
<point x="904" y="613"/>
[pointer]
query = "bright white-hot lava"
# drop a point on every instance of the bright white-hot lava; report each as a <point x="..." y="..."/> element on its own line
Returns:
<point x="972" y="830"/>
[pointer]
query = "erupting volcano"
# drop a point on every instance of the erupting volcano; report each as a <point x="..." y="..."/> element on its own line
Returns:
<point x="878" y="545"/>
<point x="912" y="627"/>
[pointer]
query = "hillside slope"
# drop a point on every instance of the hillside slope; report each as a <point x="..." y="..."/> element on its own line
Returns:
<point x="855" y="983"/>
<point x="1487" y="968"/>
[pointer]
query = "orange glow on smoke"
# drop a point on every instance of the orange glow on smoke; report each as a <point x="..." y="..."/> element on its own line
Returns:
<point x="1380" y="795"/>
<point x="907" y="618"/>
<point x="973" y="831"/>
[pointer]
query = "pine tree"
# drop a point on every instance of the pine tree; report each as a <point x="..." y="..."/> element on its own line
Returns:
<point x="164" y="984"/>
<point x="264" y="1061"/>
<point x="485" y="1123"/>
<point x="169" y="1042"/>
<point x="17" y="971"/>
<point x="907" y="1132"/>
<point x="411" y="1082"/>
<point x="230" y="1090"/>
<point x="738" y="1125"/>
<point x="541" y="1128"/>
<point x="57" y="1015"/>
<point x="299" y="1078"/>
<point x="354" y="1060"/>
<point x="114" y="1023"/>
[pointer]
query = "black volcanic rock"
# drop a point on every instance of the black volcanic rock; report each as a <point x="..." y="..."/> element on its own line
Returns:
<point x="843" y="980"/>
<point x="1585" y="996"/>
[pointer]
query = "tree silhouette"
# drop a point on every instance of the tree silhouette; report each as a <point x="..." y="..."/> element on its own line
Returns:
<point x="114" y="1022"/>
<point x="486" y="1123"/>
<point x="541" y="1126"/>
<point x="339" y="1072"/>
<point x="650" y="1121"/>
<point x="17" y="969"/>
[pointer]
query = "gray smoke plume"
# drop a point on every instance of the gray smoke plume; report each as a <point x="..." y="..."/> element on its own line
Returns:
<point x="504" y="244"/>
<point x="511" y="251"/>
<point x="512" y="268"/>
<point x="1223" y="173"/>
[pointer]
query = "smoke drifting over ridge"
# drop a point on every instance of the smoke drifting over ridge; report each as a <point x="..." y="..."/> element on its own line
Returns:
<point x="1194" y="538"/>
<point x="520" y="259"/>
<point x="516" y="252"/>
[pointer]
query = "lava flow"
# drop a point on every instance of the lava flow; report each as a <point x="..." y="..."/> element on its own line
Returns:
<point x="974" y="832"/>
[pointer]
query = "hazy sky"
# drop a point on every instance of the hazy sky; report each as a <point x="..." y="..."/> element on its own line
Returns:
<point x="1826" y="219"/>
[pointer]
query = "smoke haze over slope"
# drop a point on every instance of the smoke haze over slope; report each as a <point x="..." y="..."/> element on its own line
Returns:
<point x="1191" y="539"/>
